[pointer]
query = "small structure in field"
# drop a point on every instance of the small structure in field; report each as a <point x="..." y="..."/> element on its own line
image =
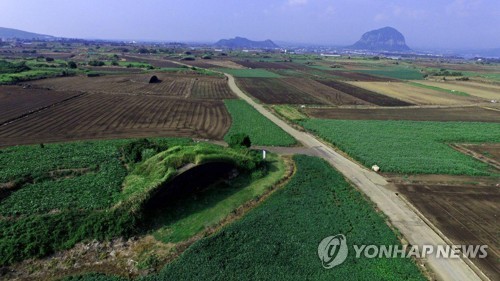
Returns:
<point x="375" y="168"/>
<point x="153" y="79"/>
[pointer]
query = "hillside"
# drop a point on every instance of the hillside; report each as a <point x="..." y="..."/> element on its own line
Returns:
<point x="385" y="39"/>
<point x="240" y="42"/>
<point x="9" y="33"/>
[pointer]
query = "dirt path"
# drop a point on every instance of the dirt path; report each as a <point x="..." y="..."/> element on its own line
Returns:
<point x="401" y="215"/>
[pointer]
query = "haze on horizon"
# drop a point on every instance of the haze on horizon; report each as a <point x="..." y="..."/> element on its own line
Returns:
<point x="451" y="24"/>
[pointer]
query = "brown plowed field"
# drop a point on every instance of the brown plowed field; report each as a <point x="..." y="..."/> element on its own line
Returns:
<point x="276" y="91"/>
<point x="355" y="76"/>
<point x="16" y="101"/>
<point x="322" y="92"/>
<point x="363" y="94"/>
<point x="100" y="116"/>
<point x="467" y="114"/>
<point x="171" y="85"/>
<point x="467" y="215"/>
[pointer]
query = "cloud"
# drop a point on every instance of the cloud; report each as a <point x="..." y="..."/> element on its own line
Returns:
<point x="380" y="17"/>
<point x="297" y="2"/>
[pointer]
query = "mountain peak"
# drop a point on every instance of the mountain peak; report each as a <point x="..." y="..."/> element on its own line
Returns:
<point x="241" y="42"/>
<point x="9" y="33"/>
<point x="386" y="39"/>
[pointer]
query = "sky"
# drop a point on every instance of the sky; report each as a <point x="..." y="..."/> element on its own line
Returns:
<point x="446" y="24"/>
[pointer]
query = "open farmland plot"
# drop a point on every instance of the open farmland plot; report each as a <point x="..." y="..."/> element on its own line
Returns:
<point x="16" y="102"/>
<point x="481" y="90"/>
<point x="467" y="215"/>
<point x="250" y="73"/>
<point x="247" y="120"/>
<point x="363" y="94"/>
<point x="170" y="85"/>
<point x="408" y="146"/>
<point x="265" y="65"/>
<point x="355" y="76"/>
<point x="469" y="114"/>
<point x="414" y="94"/>
<point x="276" y="91"/>
<point x="322" y="92"/>
<point x="395" y="73"/>
<point x="98" y="116"/>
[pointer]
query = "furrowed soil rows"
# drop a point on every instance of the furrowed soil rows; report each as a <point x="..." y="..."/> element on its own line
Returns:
<point x="364" y="94"/>
<point x="265" y="65"/>
<point x="468" y="114"/>
<point x="327" y="94"/>
<point x="275" y="91"/>
<point x="467" y="215"/>
<point x="170" y="85"/>
<point x="355" y="76"/>
<point x="16" y="101"/>
<point x="101" y="116"/>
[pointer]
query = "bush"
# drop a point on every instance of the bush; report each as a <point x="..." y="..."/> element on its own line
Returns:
<point x="72" y="64"/>
<point x="239" y="140"/>
<point x="47" y="59"/>
<point x="96" y="63"/>
<point x="138" y="150"/>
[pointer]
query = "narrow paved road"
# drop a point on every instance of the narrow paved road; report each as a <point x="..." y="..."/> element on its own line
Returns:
<point x="413" y="228"/>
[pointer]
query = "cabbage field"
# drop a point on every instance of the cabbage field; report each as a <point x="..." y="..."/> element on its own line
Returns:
<point x="408" y="146"/>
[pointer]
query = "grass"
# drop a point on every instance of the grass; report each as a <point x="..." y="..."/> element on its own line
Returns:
<point x="278" y="240"/>
<point x="11" y="78"/>
<point x="397" y="73"/>
<point x="290" y="112"/>
<point x="250" y="73"/>
<point x="453" y="92"/>
<point x="65" y="193"/>
<point x="192" y="215"/>
<point x="247" y="120"/>
<point x="408" y="146"/>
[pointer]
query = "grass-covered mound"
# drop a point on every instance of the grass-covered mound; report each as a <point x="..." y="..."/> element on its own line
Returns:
<point x="278" y="240"/>
<point x="55" y="195"/>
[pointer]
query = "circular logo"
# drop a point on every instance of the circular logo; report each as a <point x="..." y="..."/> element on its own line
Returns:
<point x="332" y="251"/>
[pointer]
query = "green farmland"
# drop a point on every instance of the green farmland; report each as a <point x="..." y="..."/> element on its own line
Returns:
<point x="408" y="146"/>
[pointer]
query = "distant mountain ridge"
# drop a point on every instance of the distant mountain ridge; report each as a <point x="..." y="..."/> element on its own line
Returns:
<point x="240" y="42"/>
<point x="386" y="39"/>
<point x="10" y="33"/>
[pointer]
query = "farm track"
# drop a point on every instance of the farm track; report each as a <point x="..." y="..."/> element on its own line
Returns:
<point x="400" y="214"/>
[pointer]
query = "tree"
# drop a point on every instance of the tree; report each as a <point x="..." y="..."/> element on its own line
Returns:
<point x="72" y="64"/>
<point x="239" y="140"/>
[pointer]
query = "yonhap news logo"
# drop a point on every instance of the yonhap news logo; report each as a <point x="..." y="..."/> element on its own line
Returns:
<point x="333" y="251"/>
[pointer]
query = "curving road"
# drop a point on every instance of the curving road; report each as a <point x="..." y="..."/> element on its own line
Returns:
<point x="401" y="214"/>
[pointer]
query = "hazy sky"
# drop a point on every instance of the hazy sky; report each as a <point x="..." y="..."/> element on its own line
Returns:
<point x="425" y="23"/>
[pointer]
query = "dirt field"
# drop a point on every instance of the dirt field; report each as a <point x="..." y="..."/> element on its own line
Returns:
<point x="322" y="92"/>
<point x="490" y="150"/>
<point x="171" y="85"/>
<point x="415" y="95"/>
<point x="468" y="215"/>
<point x="156" y="62"/>
<point x="276" y="91"/>
<point x="481" y="90"/>
<point x="225" y="64"/>
<point x="99" y="116"/>
<point x="354" y="76"/>
<point x="16" y="101"/>
<point x="467" y="114"/>
<point x="364" y="94"/>
<point x="265" y="65"/>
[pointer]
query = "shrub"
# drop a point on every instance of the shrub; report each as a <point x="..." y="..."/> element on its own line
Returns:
<point x="72" y="64"/>
<point x="239" y="140"/>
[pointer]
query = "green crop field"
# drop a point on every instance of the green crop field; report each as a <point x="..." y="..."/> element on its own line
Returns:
<point x="397" y="73"/>
<point x="279" y="239"/>
<point x="408" y="146"/>
<point x="249" y="73"/>
<point x="245" y="119"/>
<point x="55" y="195"/>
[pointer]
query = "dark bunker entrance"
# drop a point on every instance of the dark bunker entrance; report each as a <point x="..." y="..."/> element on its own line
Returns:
<point x="189" y="182"/>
